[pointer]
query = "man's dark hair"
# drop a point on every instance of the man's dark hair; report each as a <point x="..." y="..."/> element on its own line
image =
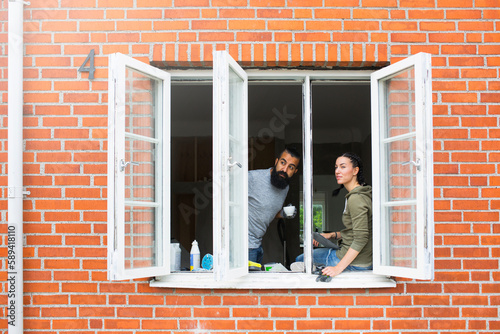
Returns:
<point x="292" y="150"/>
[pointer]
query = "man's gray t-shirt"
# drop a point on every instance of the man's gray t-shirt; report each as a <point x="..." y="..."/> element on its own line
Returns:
<point x="264" y="202"/>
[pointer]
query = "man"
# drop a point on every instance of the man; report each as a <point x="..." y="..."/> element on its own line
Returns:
<point x="267" y="190"/>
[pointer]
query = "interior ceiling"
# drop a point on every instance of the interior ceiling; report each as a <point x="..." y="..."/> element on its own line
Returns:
<point x="335" y="107"/>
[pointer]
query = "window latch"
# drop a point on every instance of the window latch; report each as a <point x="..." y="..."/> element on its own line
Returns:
<point x="232" y="164"/>
<point x="414" y="163"/>
<point x="123" y="164"/>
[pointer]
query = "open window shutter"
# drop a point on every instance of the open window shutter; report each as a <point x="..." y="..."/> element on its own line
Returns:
<point x="403" y="214"/>
<point x="138" y="169"/>
<point x="230" y="167"/>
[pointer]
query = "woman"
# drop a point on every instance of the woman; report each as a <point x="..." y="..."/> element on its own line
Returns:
<point x="355" y="240"/>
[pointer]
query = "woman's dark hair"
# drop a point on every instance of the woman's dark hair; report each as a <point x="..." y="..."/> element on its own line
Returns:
<point x="356" y="162"/>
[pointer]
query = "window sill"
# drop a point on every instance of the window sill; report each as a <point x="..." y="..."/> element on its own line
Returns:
<point x="266" y="280"/>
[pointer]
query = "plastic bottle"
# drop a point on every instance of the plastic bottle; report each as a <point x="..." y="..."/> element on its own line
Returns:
<point x="194" y="256"/>
<point x="175" y="257"/>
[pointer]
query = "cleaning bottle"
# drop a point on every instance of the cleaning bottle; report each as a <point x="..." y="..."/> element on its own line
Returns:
<point x="175" y="257"/>
<point x="194" y="256"/>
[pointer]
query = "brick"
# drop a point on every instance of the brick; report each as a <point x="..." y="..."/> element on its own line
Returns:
<point x="361" y="25"/>
<point x="58" y="299"/>
<point x="459" y="97"/>
<point x="277" y="300"/>
<point x="477" y="169"/>
<point x="337" y="13"/>
<point x="366" y="313"/>
<point x="431" y="300"/>
<point x="385" y="3"/>
<point x="468" y="110"/>
<point x="226" y="3"/>
<point x="439" y="324"/>
<point x="59" y="216"/>
<point x="285" y="25"/>
<point x="217" y="324"/>
<point x="254" y="312"/>
<point x="303" y="13"/>
<point x="442" y="312"/>
<point x="240" y="300"/>
<point x="87" y="300"/>
<point x="121" y="323"/>
<point x="41" y="287"/>
<point x="281" y="312"/>
<point x="44" y="240"/>
<point x="159" y="324"/>
<point x="274" y="13"/>
<point x="71" y="276"/>
<point x="476" y="25"/>
<point x="255" y="324"/>
<point x="319" y="324"/>
<point x="410" y="324"/>
<point x="460" y="192"/>
<point x="61" y="264"/>
<point x="351" y="324"/>
<point x="55" y="252"/>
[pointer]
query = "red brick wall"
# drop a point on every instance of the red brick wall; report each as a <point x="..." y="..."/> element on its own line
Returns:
<point x="65" y="119"/>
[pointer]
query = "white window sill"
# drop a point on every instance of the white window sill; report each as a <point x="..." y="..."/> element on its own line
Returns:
<point x="266" y="280"/>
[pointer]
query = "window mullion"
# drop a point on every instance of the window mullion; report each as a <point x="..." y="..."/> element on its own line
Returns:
<point x="308" y="170"/>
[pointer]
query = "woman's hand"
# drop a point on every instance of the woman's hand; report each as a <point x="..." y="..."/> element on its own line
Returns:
<point x="326" y="236"/>
<point x="332" y="271"/>
<point x="346" y="260"/>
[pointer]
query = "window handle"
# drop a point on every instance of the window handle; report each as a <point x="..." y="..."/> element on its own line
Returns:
<point x="123" y="164"/>
<point x="232" y="164"/>
<point x="414" y="163"/>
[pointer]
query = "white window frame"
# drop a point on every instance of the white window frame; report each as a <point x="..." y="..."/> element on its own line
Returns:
<point x="285" y="280"/>
<point x="116" y="174"/>
<point x="422" y="167"/>
<point x="225" y="164"/>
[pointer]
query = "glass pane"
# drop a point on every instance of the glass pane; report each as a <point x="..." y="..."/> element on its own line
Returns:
<point x="237" y="253"/>
<point x="400" y="237"/>
<point x="140" y="103"/>
<point x="400" y="103"/>
<point x="402" y="178"/>
<point x="140" y="237"/>
<point x="237" y="145"/>
<point x="140" y="170"/>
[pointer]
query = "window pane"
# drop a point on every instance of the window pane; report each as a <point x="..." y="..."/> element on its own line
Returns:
<point x="140" y="237"/>
<point x="400" y="103"/>
<point x="140" y="172"/>
<point x="140" y="103"/>
<point x="400" y="173"/>
<point x="237" y="148"/>
<point x="400" y="237"/>
<point x="402" y="110"/>
<point x="402" y="177"/>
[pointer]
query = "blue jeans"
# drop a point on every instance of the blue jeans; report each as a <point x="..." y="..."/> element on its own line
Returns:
<point x="255" y="254"/>
<point x="328" y="258"/>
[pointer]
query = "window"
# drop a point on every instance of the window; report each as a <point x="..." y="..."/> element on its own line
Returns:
<point x="141" y="188"/>
<point x="319" y="214"/>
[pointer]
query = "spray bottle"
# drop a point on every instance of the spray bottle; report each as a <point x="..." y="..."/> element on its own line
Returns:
<point x="194" y="256"/>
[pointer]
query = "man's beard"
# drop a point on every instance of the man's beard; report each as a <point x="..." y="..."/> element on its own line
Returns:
<point x="277" y="180"/>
